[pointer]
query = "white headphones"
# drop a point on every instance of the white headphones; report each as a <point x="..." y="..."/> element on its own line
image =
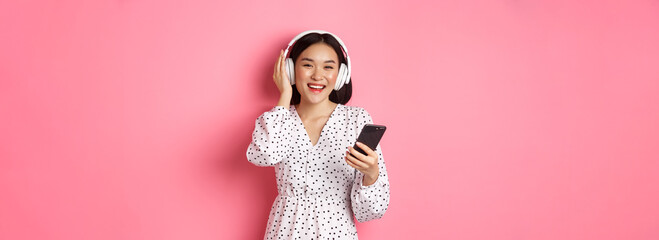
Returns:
<point x="344" y="71"/>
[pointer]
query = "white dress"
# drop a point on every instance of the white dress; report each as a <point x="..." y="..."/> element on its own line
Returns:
<point x="318" y="192"/>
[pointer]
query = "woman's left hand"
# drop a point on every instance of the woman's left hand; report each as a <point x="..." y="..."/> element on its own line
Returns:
<point x="367" y="164"/>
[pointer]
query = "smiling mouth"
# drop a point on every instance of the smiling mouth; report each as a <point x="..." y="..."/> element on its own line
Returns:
<point x="316" y="88"/>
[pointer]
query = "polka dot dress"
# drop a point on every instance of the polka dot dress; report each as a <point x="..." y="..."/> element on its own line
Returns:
<point x="318" y="192"/>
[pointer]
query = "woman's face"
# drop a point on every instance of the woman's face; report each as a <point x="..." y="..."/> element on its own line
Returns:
<point x="316" y="70"/>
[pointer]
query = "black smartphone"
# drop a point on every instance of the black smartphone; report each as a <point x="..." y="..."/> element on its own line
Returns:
<point x="370" y="135"/>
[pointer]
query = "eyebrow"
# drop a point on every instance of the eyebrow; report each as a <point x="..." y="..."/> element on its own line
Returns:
<point x="311" y="60"/>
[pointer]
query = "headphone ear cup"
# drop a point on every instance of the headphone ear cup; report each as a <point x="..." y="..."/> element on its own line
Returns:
<point x="290" y="70"/>
<point x="342" y="77"/>
<point x="346" y="77"/>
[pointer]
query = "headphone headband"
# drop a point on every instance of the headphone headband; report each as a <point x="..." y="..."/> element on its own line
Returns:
<point x="343" y="47"/>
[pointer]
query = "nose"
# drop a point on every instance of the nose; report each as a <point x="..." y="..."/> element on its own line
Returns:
<point x="317" y="76"/>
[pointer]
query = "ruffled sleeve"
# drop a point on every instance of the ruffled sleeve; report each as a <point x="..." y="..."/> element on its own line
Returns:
<point x="270" y="139"/>
<point x="370" y="202"/>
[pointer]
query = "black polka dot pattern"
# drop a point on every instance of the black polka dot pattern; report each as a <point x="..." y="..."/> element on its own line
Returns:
<point x="318" y="191"/>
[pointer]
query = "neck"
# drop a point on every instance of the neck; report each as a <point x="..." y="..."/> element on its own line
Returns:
<point x="324" y="108"/>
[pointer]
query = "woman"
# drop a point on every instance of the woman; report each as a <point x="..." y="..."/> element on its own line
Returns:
<point x="308" y="138"/>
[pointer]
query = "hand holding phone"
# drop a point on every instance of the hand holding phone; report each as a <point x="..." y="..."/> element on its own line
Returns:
<point x="367" y="164"/>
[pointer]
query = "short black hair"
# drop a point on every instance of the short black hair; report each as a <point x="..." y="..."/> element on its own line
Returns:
<point x="342" y="96"/>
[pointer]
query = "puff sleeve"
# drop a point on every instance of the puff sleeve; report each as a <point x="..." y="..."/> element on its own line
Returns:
<point x="271" y="138"/>
<point x="370" y="202"/>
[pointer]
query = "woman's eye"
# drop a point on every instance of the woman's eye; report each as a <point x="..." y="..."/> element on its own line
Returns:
<point x="329" y="67"/>
<point x="307" y="65"/>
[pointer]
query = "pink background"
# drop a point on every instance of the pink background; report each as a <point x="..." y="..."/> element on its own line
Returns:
<point x="507" y="119"/>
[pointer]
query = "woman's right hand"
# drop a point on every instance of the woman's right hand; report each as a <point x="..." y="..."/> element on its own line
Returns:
<point x="282" y="81"/>
<point x="281" y="77"/>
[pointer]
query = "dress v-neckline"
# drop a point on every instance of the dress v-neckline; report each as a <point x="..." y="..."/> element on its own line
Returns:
<point x="320" y="137"/>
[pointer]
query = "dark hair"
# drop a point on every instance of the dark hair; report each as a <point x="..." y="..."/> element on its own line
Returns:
<point x="341" y="96"/>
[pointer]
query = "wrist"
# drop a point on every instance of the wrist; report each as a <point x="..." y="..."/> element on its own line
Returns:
<point x="285" y="99"/>
<point x="369" y="179"/>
